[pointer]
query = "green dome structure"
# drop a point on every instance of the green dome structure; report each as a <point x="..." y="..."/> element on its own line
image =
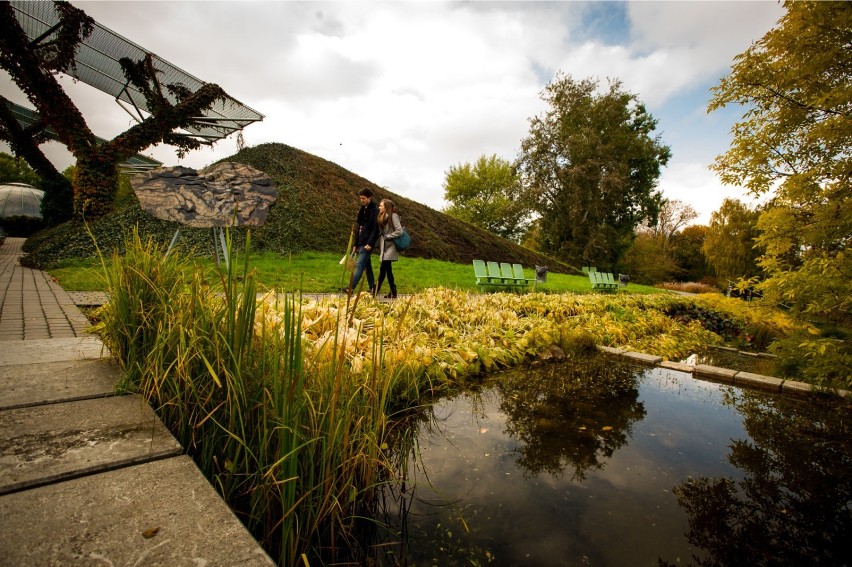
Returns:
<point x="20" y="199"/>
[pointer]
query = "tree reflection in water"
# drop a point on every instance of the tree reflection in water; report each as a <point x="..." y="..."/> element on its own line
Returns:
<point x="570" y="419"/>
<point x="794" y="504"/>
<point x="566" y="420"/>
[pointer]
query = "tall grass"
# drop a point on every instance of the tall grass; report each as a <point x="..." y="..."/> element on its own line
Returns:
<point x="293" y="441"/>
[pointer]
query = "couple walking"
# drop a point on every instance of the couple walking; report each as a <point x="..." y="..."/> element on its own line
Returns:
<point x="375" y="226"/>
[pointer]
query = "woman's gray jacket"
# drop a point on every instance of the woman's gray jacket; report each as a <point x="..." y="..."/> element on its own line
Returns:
<point x="387" y="249"/>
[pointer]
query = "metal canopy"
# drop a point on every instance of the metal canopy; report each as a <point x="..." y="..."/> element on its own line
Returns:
<point x="28" y="118"/>
<point x="97" y="65"/>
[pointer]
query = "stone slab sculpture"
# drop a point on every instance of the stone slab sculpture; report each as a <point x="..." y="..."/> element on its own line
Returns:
<point x="223" y="194"/>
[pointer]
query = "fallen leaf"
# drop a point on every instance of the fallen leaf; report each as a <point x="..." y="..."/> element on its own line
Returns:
<point x="150" y="532"/>
<point x="606" y="428"/>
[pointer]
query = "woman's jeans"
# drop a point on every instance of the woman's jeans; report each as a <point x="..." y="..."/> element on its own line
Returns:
<point x="361" y="265"/>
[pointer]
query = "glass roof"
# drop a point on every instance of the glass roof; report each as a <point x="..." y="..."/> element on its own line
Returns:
<point x="97" y="65"/>
<point x="20" y="199"/>
<point x="27" y="117"/>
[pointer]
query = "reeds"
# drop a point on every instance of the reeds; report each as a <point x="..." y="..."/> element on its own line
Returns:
<point x="294" y="441"/>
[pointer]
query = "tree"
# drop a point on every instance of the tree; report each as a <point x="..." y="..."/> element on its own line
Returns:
<point x="686" y="249"/>
<point x="648" y="259"/>
<point x="647" y="262"/>
<point x="673" y="216"/>
<point x="590" y="167"/>
<point x="487" y="194"/>
<point x="15" y="170"/>
<point x="33" y="65"/>
<point x="56" y="205"/>
<point x="729" y="245"/>
<point x="793" y="143"/>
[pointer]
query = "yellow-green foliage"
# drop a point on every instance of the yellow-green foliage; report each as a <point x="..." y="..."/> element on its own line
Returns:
<point x="446" y="335"/>
<point x="752" y="313"/>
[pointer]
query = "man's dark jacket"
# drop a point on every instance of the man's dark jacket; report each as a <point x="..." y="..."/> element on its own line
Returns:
<point x="368" y="226"/>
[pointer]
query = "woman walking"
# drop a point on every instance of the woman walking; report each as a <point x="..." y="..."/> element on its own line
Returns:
<point x="389" y="228"/>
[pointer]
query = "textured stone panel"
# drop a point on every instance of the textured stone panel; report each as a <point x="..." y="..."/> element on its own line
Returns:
<point x="44" y="444"/>
<point x="224" y="194"/>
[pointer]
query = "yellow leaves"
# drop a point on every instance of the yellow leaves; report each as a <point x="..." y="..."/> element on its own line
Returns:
<point x="448" y="335"/>
<point x="467" y="355"/>
<point x="424" y="355"/>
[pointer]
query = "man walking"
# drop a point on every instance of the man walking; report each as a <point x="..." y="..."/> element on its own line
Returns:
<point x="366" y="234"/>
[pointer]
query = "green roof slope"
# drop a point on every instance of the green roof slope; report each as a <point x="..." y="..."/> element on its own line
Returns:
<point x="317" y="205"/>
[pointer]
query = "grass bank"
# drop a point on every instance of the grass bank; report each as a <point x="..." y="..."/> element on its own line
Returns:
<point x="320" y="272"/>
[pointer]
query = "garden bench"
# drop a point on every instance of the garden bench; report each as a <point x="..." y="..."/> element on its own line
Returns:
<point x="499" y="275"/>
<point x="602" y="281"/>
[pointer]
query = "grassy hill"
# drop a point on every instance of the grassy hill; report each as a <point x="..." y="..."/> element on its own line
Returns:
<point x="316" y="209"/>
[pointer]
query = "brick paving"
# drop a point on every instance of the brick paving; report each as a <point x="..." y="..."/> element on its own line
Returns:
<point x="32" y="305"/>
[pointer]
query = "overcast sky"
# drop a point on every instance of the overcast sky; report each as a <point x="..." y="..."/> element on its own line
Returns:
<point x="398" y="92"/>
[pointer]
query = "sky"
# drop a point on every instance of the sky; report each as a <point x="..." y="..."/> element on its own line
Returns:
<point x="400" y="92"/>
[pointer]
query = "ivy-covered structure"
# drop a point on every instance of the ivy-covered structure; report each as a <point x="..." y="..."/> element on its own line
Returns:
<point x="40" y="39"/>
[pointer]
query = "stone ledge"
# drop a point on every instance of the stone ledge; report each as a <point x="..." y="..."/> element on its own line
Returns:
<point x="52" y="382"/>
<point x="715" y="372"/>
<point x="53" y="350"/>
<point x="758" y="381"/>
<point x="55" y="442"/>
<point x="649" y="359"/>
<point x="719" y="374"/>
<point x="681" y="366"/>
<point x="800" y="388"/>
<point x="611" y="350"/>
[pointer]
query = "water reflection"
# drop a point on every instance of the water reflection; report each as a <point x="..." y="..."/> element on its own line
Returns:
<point x="569" y="420"/>
<point x="601" y="462"/>
<point x="794" y="504"/>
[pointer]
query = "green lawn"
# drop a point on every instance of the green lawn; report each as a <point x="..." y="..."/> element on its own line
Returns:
<point x="319" y="272"/>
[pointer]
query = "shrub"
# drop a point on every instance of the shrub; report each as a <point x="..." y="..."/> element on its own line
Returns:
<point x="688" y="287"/>
<point x="809" y="357"/>
<point x="21" y="226"/>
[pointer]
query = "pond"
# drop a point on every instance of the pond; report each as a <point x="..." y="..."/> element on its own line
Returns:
<point x="602" y="462"/>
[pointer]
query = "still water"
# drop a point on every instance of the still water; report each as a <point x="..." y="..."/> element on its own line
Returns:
<point x="601" y="462"/>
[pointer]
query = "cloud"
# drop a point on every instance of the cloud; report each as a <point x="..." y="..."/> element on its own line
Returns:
<point x="694" y="184"/>
<point x="700" y="39"/>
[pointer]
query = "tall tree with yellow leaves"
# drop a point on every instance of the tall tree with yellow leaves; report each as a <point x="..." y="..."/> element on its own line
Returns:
<point x="792" y="145"/>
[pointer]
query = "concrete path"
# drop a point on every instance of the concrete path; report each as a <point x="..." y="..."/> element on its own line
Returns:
<point x="88" y="477"/>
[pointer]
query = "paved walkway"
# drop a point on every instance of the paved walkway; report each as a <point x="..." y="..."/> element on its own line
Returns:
<point x="88" y="477"/>
<point x="32" y="305"/>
